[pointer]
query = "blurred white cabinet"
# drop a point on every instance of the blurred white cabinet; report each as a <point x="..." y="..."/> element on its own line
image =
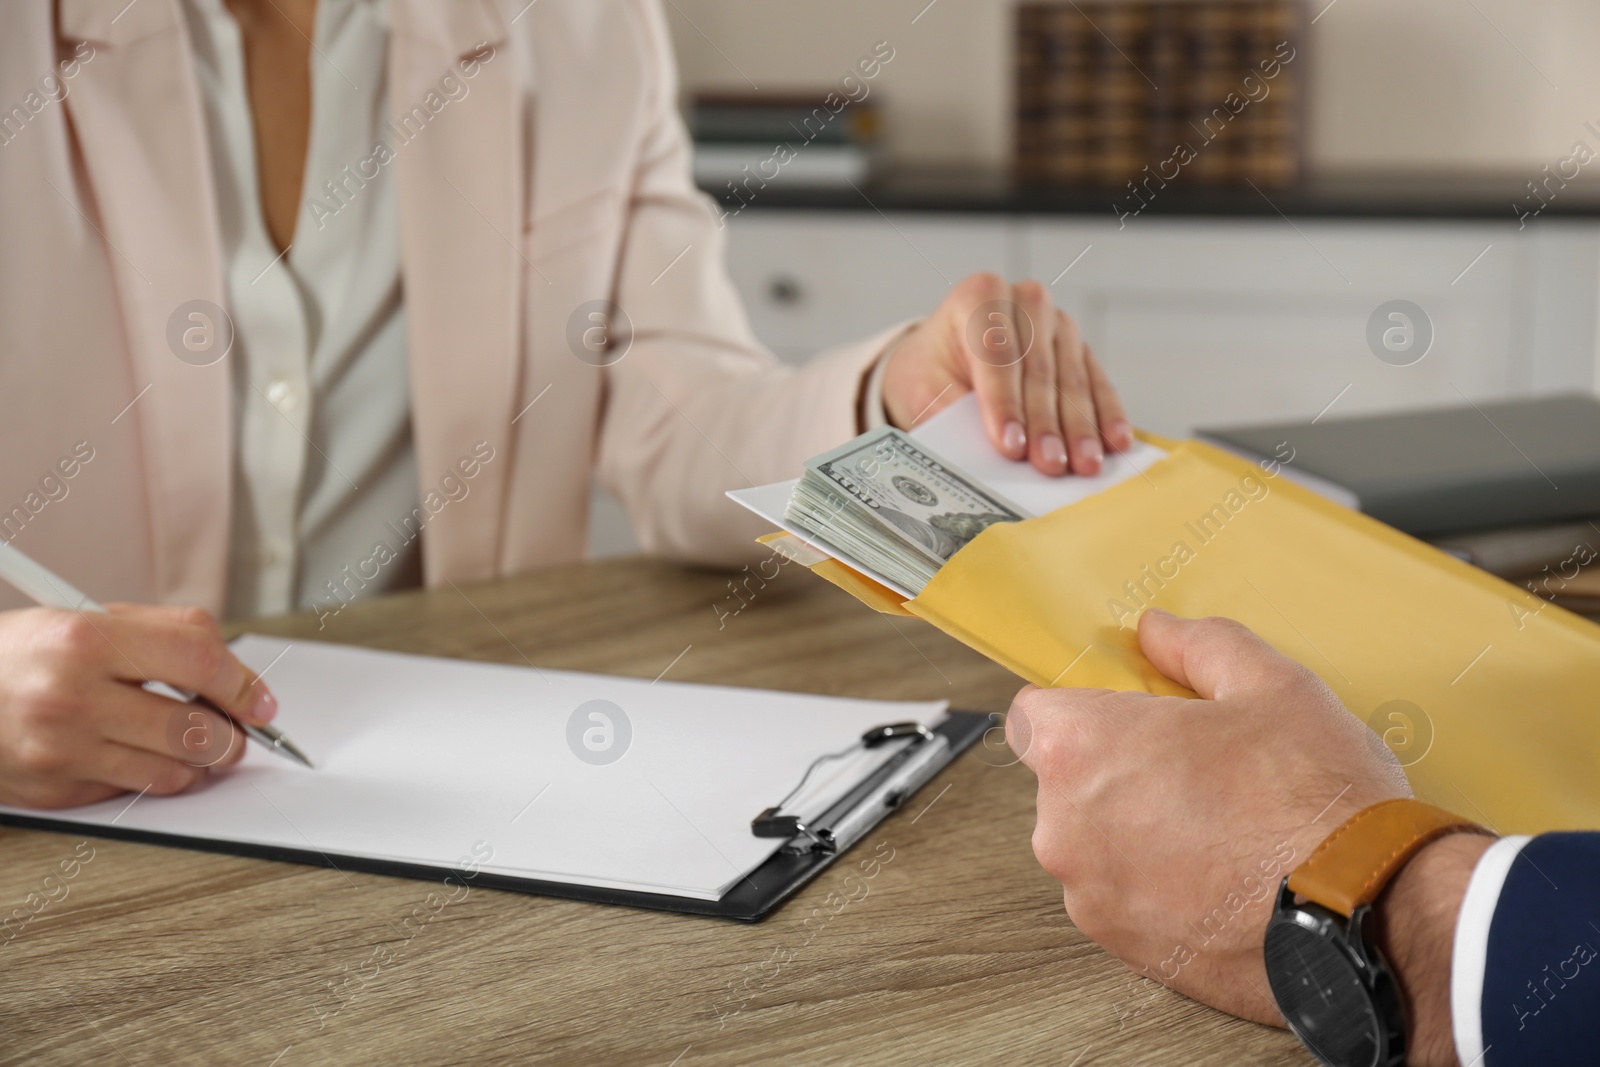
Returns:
<point x="1213" y="323"/>
<point x="811" y="279"/>
<point x="1209" y="322"/>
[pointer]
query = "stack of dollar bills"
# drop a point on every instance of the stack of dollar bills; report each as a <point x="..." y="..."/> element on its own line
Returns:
<point x="888" y="504"/>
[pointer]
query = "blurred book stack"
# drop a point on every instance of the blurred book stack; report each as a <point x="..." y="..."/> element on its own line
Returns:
<point x="1209" y="89"/>
<point x="803" y="139"/>
<point x="1520" y="551"/>
<point x="1555" y="561"/>
<point x="1580" y="593"/>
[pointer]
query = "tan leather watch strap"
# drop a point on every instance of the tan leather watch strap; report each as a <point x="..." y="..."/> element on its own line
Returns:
<point x="1354" y="863"/>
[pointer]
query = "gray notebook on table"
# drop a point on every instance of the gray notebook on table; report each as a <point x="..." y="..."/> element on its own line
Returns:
<point x="1449" y="470"/>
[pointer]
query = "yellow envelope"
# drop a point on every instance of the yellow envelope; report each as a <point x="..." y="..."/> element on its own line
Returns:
<point x="1489" y="694"/>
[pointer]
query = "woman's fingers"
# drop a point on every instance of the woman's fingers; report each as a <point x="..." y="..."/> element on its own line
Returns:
<point x="1047" y="448"/>
<point x="189" y="733"/>
<point x="1115" y="429"/>
<point x="185" y="651"/>
<point x="1042" y="395"/>
<point x="137" y="770"/>
<point x="998" y="336"/>
<point x="1079" y="417"/>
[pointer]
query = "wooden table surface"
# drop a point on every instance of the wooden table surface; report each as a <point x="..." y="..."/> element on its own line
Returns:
<point x="957" y="951"/>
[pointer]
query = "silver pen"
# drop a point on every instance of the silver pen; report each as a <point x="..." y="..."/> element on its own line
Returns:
<point x="39" y="583"/>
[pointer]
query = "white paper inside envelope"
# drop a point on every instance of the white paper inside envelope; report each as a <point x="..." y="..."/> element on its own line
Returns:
<point x="956" y="434"/>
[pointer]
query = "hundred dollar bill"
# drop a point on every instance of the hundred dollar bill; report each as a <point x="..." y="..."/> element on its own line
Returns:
<point x="888" y="503"/>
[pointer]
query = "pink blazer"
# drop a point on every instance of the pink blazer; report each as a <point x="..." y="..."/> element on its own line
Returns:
<point x="561" y="178"/>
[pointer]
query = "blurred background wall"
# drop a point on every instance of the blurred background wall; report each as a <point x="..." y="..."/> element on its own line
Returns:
<point x="1412" y="85"/>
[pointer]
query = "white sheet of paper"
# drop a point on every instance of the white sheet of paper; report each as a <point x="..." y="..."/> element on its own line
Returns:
<point x="956" y="434"/>
<point x="423" y="760"/>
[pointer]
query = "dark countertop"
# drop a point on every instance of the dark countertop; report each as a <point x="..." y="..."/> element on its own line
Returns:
<point x="1481" y="197"/>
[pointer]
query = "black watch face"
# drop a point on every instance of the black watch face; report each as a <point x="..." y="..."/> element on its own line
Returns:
<point x="1319" y="991"/>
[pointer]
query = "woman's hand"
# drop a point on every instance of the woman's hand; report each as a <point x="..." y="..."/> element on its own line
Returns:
<point x="75" y="726"/>
<point x="1044" y="396"/>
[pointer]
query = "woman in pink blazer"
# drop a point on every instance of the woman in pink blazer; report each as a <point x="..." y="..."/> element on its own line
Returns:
<point x="282" y="283"/>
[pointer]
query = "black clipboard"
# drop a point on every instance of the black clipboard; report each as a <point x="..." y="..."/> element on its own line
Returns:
<point x="751" y="899"/>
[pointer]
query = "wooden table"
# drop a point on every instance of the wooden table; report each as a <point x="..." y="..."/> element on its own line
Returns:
<point x="959" y="951"/>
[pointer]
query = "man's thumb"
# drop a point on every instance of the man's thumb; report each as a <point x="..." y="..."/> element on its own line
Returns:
<point x="1214" y="657"/>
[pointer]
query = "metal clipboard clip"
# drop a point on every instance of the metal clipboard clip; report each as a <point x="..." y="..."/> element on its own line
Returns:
<point x="869" y="801"/>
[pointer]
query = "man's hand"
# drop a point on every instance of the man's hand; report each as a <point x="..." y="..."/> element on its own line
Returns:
<point x="75" y="726"/>
<point x="1043" y="394"/>
<point x="1171" y="821"/>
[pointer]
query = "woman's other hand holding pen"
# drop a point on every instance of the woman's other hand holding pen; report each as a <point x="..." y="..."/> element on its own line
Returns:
<point x="75" y="725"/>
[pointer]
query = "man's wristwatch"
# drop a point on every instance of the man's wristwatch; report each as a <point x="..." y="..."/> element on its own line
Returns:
<point x="1327" y="975"/>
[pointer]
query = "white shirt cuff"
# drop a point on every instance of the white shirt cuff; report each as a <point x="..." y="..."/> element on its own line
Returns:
<point x="873" y="413"/>
<point x="1470" y="957"/>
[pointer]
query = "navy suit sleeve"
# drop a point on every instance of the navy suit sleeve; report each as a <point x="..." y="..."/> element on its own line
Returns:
<point x="1541" y="986"/>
